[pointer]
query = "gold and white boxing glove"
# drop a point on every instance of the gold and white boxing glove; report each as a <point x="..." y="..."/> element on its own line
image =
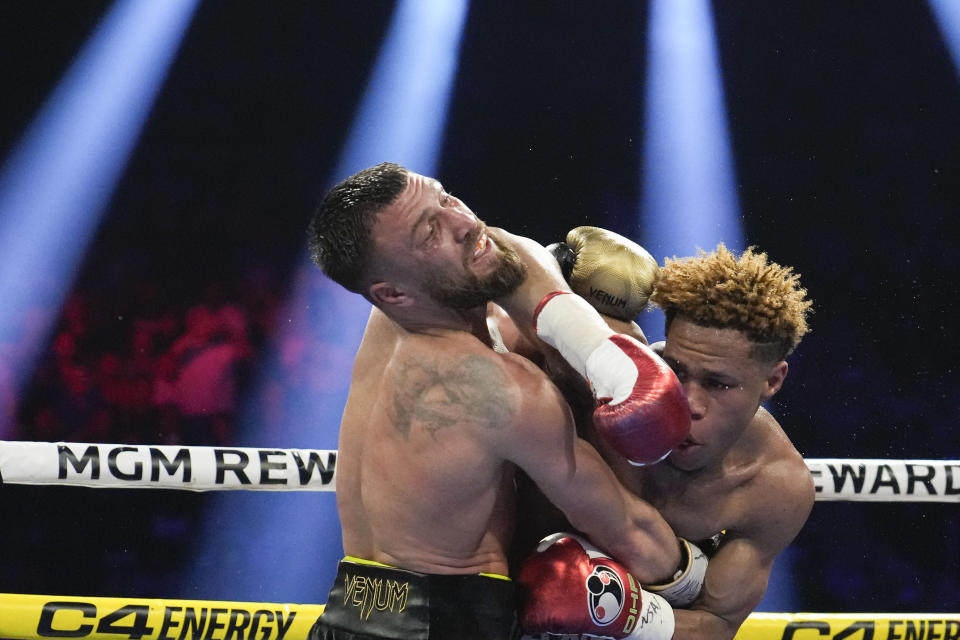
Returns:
<point x="612" y="272"/>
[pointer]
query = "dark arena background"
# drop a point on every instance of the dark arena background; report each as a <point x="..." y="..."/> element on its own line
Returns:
<point x="161" y="160"/>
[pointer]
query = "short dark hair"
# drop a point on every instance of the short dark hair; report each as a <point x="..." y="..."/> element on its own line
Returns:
<point x="339" y="232"/>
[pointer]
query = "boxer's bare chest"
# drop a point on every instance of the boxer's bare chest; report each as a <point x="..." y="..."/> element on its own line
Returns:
<point x="697" y="507"/>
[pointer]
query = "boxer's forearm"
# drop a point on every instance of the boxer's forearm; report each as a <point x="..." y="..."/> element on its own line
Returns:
<point x="655" y="545"/>
<point x="698" y="624"/>
<point x="543" y="276"/>
<point x="733" y="586"/>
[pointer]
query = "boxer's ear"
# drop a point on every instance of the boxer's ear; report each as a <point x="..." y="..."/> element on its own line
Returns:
<point x="389" y="294"/>
<point x="774" y="379"/>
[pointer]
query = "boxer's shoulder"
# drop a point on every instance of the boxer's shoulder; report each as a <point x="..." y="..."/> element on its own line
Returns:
<point x="780" y="495"/>
<point x="764" y="491"/>
<point x="781" y="460"/>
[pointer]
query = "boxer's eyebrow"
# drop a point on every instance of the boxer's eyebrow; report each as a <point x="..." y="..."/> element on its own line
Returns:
<point x="674" y="364"/>
<point x="719" y="376"/>
<point x="423" y="214"/>
<point x="416" y="227"/>
<point x="704" y="375"/>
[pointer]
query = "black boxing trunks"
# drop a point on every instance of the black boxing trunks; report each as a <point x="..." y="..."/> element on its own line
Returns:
<point x="372" y="601"/>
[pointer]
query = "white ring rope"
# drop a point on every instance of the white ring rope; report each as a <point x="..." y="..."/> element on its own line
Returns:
<point x="166" y="466"/>
<point x="257" y="469"/>
<point x="871" y="480"/>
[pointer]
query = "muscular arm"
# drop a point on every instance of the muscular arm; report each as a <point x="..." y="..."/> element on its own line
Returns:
<point x="573" y="476"/>
<point x="735" y="583"/>
<point x="737" y="576"/>
<point x="543" y="276"/>
<point x="517" y="341"/>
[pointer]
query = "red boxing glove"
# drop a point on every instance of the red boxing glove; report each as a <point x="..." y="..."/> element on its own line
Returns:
<point x="654" y="417"/>
<point x="569" y="587"/>
<point x="642" y="409"/>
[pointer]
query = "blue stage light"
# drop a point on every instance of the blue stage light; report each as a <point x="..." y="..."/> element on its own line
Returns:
<point x="282" y="547"/>
<point x="405" y="106"/>
<point x="689" y="186"/>
<point x="947" y="13"/>
<point x="689" y="194"/>
<point x="57" y="181"/>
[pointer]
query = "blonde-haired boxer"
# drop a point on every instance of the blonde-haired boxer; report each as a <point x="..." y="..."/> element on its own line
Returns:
<point x="440" y="415"/>
<point x="736" y="483"/>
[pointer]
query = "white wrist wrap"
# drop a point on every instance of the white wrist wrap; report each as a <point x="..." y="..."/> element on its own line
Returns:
<point x="570" y="325"/>
<point x="619" y="373"/>
<point x="656" y="621"/>
<point x="685" y="587"/>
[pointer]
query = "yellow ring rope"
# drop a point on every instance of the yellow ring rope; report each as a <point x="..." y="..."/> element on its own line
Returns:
<point x="40" y="616"/>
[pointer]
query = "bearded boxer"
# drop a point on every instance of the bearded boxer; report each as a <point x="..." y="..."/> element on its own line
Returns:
<point x="736" y="483"/>
<point x="439" y="414"/>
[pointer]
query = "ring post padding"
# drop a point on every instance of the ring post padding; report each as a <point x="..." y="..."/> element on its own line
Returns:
<point x="855" y="626"/>
<point x="38" y="616"/>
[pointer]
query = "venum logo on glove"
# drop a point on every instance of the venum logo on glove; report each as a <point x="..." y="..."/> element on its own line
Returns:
<point x="605" y="594"/>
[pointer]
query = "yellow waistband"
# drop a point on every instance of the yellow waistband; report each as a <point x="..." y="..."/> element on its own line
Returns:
<point x="374" y="563"/>
<point x="356" y="560"/>
<point x="495" y="576"/>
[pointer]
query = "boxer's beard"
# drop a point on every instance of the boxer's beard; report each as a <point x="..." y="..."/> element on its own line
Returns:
<point x="470" y="291"/>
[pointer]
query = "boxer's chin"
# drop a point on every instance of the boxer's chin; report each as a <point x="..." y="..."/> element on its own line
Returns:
<point x="687" y="456"/>
<point x="511" y="270"/>
<point x="470" y="290"/>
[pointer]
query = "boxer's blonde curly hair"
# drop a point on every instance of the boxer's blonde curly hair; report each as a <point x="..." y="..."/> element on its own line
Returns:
<point x="748" y="293"/>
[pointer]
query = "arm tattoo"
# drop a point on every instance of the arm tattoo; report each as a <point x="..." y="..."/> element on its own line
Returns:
<point x="437" y="395"/>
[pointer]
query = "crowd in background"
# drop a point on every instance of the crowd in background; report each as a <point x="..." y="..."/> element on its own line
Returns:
<point x="129" y="362"/>
<point x="158" y="376"/>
